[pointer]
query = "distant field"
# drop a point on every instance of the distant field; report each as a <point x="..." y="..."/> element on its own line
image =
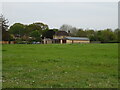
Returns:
<point x="60" y="66"/>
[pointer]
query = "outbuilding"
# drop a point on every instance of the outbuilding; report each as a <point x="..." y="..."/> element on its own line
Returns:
<point x="75" y="40"/>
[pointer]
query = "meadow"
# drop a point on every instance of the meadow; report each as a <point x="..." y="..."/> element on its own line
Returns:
<point x="60" y="66"/>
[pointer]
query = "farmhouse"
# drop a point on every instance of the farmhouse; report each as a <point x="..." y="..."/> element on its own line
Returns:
<point x="64" y="37"/>
<point x="59" y="35"/>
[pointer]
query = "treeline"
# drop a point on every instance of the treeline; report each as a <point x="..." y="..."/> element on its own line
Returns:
<point x="106" y="35"/>
<point x="31" y="32"/>
<point x="28" y="33"/>
<point x="37" y="31"/>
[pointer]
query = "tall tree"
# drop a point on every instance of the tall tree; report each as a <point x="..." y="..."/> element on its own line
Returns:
<point x="4" y="27"/>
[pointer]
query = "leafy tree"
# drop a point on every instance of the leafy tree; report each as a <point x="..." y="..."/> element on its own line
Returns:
<point x="108" y="35"/>
<point x="18" y="30"/>
<point x="42" y="26"/>
<point x="117" y="34"/>
<point x="100" y="36"/>
<point x="91" y="34"/>
<point x="81" y="33"/>
<point x="36" y="35"/>
<point x="37" y="26"/>
<point x="49" y="34"/>
<point x="25" y="31"/>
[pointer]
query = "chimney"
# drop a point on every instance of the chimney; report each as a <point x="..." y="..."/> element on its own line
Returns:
<point x="69" y="32"/>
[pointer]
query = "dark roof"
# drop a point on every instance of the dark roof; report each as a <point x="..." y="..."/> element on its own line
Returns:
<point x="61" y="33"/>
<point x="76" y="38"/>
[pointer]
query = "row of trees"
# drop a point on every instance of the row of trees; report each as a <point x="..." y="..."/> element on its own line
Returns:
<point x="27" y="33"/>
<point x="31" y="32"/>
<point x="106" y="35"/>
<point x="37" y="31"/>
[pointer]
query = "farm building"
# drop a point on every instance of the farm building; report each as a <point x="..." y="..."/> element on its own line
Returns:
<point x="64" y="37"/>
<point x="75" y="40"/>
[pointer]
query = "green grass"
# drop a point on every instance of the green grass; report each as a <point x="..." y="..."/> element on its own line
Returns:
<point x="60" y="66"/>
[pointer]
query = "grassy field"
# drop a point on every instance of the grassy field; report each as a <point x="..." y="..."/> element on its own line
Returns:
<point x="60" y="66"/>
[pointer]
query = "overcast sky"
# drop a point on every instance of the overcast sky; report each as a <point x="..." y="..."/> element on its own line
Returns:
<point x="99" y="15"/>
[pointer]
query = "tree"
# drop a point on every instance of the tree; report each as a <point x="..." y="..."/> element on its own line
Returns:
<point x="65" y="27"/>
<point x="24" y="32"/>
<point x="37" y="26"/>
<point x="73" y="31"/>
<point x="108" y="35"/>
<point x="42" y="26"/>
<point x="18" y="30"/>
<point x="4" y="27"/>
<point x="91" y="34"/>
<point x="36" y="35"/>
<point x="81" y="33"/>
<point x="49" y="33"/>
<point x="117" y="33"/>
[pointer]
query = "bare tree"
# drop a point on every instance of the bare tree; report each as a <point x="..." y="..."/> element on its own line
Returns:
<point x="65" y="27"/>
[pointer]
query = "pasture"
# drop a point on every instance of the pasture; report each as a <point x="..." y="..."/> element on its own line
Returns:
<point x="60" y="66"/>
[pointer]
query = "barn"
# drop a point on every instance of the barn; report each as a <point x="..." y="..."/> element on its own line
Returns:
<point x="75" y="40"/>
